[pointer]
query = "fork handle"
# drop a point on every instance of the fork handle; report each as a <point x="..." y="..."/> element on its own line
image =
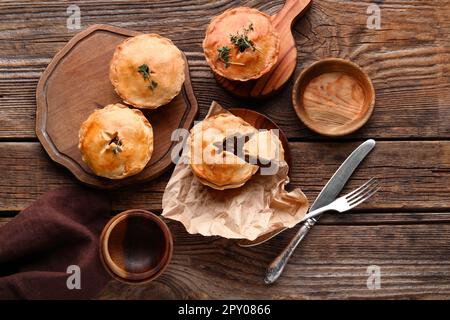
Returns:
<point x="316" y="212"/>
<point x="277" y="266"/>
<point x="275" y="269"/>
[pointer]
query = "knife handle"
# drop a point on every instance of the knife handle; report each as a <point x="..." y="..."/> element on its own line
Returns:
<point x="275" y="269"/>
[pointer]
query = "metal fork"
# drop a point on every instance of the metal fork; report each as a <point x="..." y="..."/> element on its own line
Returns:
<point x="342" y="204"/>
<point x="349" y="201"/>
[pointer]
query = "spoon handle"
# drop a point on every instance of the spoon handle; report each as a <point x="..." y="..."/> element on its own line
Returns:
<point x="291" y="10"/>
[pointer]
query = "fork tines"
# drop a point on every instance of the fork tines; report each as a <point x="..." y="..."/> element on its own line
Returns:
<point x="363" y="193"/>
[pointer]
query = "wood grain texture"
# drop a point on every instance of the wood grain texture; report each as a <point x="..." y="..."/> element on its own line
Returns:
<point x="408" y="59"/>
<point x="136" y="246"/>
<point x="414" y="259"/>
<point x="404" y="229"/>
<point x="413" y="175"/>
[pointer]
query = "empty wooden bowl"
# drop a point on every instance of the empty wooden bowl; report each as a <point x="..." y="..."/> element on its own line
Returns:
<point x="333" y="97"/>
<point x="136" y="246"/>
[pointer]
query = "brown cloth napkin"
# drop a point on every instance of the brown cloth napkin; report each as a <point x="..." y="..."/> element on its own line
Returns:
<point x="60" y="229"/>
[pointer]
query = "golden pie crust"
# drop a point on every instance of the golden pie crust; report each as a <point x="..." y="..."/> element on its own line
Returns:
<point x="166" y="66"/>
<point x="255" y="62"/>
<point x="116" y="141"/>
<point x="265" y="146"/>
<point x="219" y="170"/>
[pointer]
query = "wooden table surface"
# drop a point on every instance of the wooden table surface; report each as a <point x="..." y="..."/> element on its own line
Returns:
<point x="404" y="229"/>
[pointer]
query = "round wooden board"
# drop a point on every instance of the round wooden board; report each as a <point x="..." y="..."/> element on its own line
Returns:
<point x="76" y="82"/>
<point x="260" y="121"/>
<point x="273" y="81"/>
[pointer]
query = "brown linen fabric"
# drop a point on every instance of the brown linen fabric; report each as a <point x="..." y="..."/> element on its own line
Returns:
<point x="60" y="229"/>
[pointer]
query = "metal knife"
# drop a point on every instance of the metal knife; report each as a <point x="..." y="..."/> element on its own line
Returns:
<point x="325" y="197"/>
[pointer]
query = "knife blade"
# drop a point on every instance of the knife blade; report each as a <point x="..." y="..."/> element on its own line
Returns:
<point x="337" y="182"/>
<point x="329" y="192"/>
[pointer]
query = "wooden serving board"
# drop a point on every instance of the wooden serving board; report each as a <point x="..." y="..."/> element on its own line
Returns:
<point x="76" y="82"/>
<point x="273" y="81"/>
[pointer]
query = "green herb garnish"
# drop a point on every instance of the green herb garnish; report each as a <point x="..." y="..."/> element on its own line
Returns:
<point x="146" y="72"/>
<point x="117" y="149"/>
<point x="224" y="56"/>
<point x="241" y="40"/>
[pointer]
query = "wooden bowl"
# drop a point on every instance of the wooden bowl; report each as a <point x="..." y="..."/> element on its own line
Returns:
<point x="333" y="97"/>
<point x="136" y="246"/>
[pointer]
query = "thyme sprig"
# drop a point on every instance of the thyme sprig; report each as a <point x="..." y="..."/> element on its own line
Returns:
<point x="224" y="56"/>
<point x="241" y="40"/>
<point x="146" y="72"/>
<point x="242" y="43"/>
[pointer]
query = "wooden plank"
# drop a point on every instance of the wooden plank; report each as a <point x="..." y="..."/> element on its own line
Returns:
<point x="352" y="218"/>
<point x="413" y="175"/>
<point x="331" y="263"/>
<point x="408" y="59"/>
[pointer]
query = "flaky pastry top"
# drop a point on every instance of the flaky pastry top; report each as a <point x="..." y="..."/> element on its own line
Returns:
<point x="116" y="141"/>
<point x="147" y="71"/>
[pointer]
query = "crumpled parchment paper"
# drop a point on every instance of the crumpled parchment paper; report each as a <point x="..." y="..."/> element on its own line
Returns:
<point x="260" y="206"/>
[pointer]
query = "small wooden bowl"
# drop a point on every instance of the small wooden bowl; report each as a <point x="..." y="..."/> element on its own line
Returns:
<point x="333" y="97"/>
<point x="136" y="246"/>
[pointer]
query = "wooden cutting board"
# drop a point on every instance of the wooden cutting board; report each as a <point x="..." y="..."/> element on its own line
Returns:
<point x="273" y="81"/>
<point x="76" y="82"/>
